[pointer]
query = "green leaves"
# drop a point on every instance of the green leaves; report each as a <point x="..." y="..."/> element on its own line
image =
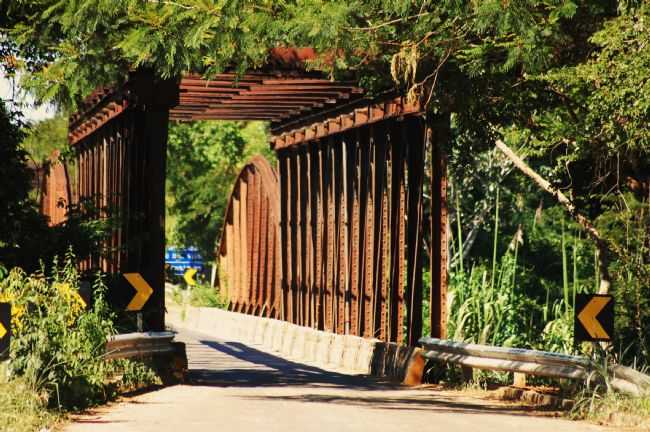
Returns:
<point x="58" y="344"/>
<point x="203" y="161"/>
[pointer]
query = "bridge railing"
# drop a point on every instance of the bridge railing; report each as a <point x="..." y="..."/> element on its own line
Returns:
<point x="532" y="362"/>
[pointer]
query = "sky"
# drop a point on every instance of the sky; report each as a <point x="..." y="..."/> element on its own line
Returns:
<point x="32" y="113"/>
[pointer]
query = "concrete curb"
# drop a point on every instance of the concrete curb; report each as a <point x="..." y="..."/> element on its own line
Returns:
<point x="341" y="353"/>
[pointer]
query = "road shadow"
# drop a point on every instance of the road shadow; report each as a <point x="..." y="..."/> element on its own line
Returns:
<point x="434" y="403"/>
<point x="228" y="363"/>
<point x="235" y="364"/>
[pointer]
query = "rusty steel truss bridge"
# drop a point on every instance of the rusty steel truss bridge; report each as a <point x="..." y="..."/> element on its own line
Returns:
<point x="333" y="235"/>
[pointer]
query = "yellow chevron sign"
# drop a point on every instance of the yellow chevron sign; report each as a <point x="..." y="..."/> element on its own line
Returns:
<point x="594" y="320"/>
<point x="189" y="276"/>
<point x="142" y="288"/>
<point x="5" y="329"/>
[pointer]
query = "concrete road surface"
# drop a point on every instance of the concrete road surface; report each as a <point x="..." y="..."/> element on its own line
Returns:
<point x="236" y="387"/>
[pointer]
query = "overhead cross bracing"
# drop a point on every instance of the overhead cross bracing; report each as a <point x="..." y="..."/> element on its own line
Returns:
<point x="282" y="91"/>
<point x="257" y="96"/>
<point x="278" y="97"/>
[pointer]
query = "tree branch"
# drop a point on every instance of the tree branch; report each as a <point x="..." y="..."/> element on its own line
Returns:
<point x="387" y="23"/>
<point x="601" y="244"/>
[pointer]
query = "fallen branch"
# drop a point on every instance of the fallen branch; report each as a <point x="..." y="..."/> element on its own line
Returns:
<point x="601" y="244"/>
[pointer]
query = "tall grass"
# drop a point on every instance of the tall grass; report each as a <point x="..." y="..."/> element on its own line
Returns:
<point x="200" y="295"/>
<point x="487" y="304"/>
<point x="557" y="335"/>
<point x="484" y="304"/>
<point x="22" y="408"/>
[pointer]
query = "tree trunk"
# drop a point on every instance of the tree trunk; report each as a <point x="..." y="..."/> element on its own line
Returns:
<point x="601" y="244"/>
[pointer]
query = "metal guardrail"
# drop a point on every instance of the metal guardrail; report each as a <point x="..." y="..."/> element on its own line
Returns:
<point x="532" y="362"/>
<point x="139" y="344"/>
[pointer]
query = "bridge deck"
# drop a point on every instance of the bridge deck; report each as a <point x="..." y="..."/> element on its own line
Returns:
<point x="238" y="387"/>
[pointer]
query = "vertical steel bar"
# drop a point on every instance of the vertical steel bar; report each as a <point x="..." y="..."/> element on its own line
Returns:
<point x="300" y="244"/>
<point x="415" y="139"/>
<point x="285" y="238"/>
<point x="345" y="209"/>
<point x="309" y="240"/>
<point x="355" y="168"/>
<point x="329" y="255"/>
<point x="381" y="233"/>
<point x="293" y="204"/>
<point x="439" y="131"/>
<point x="342" y="270"/>
<point x="369" y="230"/>
<point x="397" y="224"/>
<point x="257" y="244"/>
<point x="264" y="283"/>
<point x="320" y="243"/>
<point x="236" y="205"/>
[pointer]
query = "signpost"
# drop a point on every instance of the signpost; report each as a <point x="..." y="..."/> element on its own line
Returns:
<point x="594" y="318"/>
<point x="5" y="330"/>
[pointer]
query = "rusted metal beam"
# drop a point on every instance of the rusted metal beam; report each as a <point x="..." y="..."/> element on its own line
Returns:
<point x="120" y="141"/>
<point x="398" y="231"/>
<point x="330" y="238"/>
<point x="249" y="241"/>
<point x="367" y="214"/>
<point x="438" y="133"/>
<point x="343" y="116"/>
<point x="355" y="240"/>
<point x="414" y="139"/>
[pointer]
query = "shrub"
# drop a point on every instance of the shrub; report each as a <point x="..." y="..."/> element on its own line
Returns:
<point x="203" y="294"/>
<point x="58" y="341"/>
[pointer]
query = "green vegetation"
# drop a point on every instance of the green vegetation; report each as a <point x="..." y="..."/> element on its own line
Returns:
<point x="203" y="160"/>
<point x="205" y="295"/>
<point x="614" y="410"/>
<point x="18" y="214"/>
<point x="58" y="342"/>
<point x="561" y="82"/>
<point x="200" y="295"/>
<point x="43" y="138"/>
<point x="57" y="346"/>
<point x="498" y="300"/>
<point x="542" y="261"/>
<point x="25" y="237"/>
<point x="23" y="409"/>
<point x="598" y="402"/>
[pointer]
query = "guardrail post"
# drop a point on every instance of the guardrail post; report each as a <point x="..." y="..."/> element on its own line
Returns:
<point x="519" y="379"/>
<point x="468" y="374"/>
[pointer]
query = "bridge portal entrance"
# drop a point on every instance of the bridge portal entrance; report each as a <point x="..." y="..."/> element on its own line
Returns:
<point x="333" y="236"/>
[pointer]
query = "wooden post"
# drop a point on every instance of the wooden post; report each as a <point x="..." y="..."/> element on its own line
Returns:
<point x="519" y="379"/>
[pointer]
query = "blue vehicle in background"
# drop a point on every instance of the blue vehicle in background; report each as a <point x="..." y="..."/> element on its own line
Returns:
<point x="179" y="260"/>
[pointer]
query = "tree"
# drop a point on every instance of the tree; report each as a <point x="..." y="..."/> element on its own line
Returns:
<point x="42" y="138"/>
<point x="531" y="65"/>
<point x="202" y="162"/>
<point x="18" y="214"/>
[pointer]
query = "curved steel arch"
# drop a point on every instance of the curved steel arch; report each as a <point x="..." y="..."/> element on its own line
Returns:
<point x="249" y="251"/>
<point x="55" y="190"/>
